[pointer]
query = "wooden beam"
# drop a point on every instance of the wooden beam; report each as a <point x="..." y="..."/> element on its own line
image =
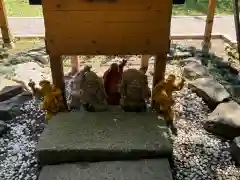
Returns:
<point x="193" y="36"/>
<point x="144" y="63"/>
<point x="6" y="35"/>
<point x="56" y="66"/>
<point x="208" y="27"/>
<point x="159" y="68"/>
<point x="159" y="73"/>
<point x="74" y="64"/>
<point x="237" y="24"/>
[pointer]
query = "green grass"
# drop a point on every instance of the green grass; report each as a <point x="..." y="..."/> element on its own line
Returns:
<point x="191" y="7"/>
<point x="21" y="8"/>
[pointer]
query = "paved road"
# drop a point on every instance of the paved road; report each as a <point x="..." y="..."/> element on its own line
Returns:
<point x="180" y="25"/>
<point x="195" y="25"/>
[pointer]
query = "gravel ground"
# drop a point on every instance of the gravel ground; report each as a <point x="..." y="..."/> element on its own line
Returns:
<point x="18" y="160"/>
<point x="17" y="150"/>
<point x="197" y="154"/>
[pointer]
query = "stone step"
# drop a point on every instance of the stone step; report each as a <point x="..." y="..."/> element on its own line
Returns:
<point x="156" y="169"/>
<point x="102" y="136"/>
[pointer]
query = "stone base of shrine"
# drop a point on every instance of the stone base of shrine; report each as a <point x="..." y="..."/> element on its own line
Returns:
<point x="117" y="170"/>
<point x="103" y="136"/>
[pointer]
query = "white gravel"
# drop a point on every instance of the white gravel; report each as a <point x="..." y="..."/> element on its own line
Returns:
<point x="18" y="160"/>
<point x="17" y="147"/>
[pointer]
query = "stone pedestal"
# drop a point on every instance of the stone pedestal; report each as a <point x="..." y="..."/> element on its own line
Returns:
<point x="102" y="136"/>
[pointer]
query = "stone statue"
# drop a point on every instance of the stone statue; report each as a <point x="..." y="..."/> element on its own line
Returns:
<point x="76" y="88"/>
<point x="92" y="95"/>
<point x="52" y="98"/>
<point x="134" y="91"/>
<point x="112" y="79"/>
<point x="162" y="96"/>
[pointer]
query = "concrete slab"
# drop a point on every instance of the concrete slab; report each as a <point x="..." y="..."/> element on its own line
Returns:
<point x="157" y="169"/>
<point x="86" y="136"/>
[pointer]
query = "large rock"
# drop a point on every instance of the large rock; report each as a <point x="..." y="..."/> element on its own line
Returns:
<point x="194" y="71"/>
<point x="31" y="70"/>
<point x="112" y="170"/>
<point x="101" y="136"/>
<point x="235" y="150"/>
<point x="234" y="90"/>
<point x="3" y="128"/>
<point x="224" y="120"/>
<point x="39" y="56"/>
<point x="184" y="62"/>
<point x="210" y="90"/>
<point x="10" y="91"/>
<point x="182" y="54"/>
<point x="18" y="59"/>
<point x="10" y="108"/>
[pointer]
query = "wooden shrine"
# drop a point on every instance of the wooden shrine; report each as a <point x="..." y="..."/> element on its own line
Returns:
<point x="106" y="27"/>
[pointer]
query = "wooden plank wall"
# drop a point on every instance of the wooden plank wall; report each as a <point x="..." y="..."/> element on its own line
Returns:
<point x="76" y="27"/>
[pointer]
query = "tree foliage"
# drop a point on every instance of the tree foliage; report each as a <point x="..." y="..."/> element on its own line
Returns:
<point x="196" y="7"/>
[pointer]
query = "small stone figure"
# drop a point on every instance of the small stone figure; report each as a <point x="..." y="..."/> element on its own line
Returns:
<point x="92" y="96"/>
<point x="112" y="79"/>
<point x="53" y="101"/>
<point x="76" y="88"/>
<point x="162" y="96"/>
<point x="134" y="91"/>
